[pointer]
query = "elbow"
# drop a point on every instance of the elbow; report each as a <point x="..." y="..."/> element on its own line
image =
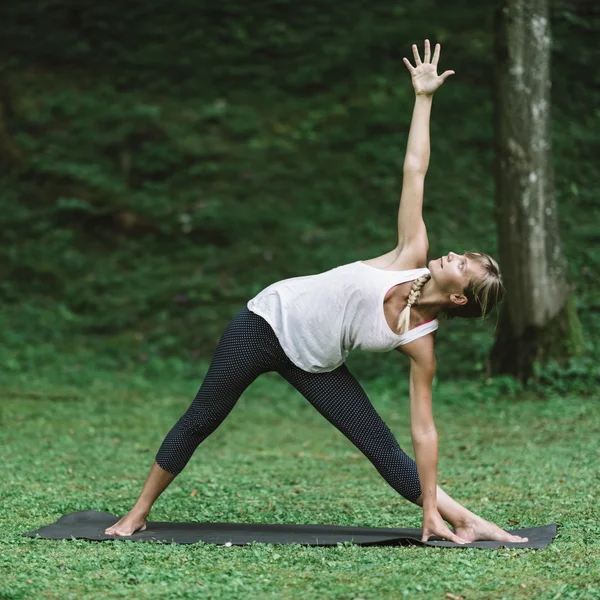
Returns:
<point x="423" y="433"/>
<point x="414" y="165"/>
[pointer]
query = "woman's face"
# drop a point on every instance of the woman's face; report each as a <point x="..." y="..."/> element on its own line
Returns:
<point x="453" y="272"/>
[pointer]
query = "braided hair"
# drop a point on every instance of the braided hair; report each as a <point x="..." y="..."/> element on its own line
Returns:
<point x="413" y="298"/>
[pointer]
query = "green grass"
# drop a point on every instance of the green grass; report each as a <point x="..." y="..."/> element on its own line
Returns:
<point x="85" y="441"/>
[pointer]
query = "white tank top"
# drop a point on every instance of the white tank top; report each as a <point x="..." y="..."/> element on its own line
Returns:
<point x="318" y="319"/>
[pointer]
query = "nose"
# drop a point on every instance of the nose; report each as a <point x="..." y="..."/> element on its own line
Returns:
<point x="451" y="255"/>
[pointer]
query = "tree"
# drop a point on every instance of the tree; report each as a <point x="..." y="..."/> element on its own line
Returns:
<point x="538" y="320"/>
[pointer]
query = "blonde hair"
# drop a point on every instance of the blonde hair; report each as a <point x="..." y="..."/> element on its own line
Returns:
<point x="413" y="298"/>
<point x="483" y="293"/>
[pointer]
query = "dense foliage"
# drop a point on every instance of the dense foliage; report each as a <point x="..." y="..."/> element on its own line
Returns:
<point x="162" y="164"/>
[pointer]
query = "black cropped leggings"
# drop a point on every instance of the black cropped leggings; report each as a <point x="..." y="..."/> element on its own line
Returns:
<point x="248" y="347"/>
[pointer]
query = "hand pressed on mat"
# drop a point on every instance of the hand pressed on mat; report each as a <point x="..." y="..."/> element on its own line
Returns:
<point x="433" y="524"/>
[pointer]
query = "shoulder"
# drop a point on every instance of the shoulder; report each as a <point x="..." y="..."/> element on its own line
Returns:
<point x="412" y="254"/>
<point x="409" y="256"/>
<point x="421" y="351"/>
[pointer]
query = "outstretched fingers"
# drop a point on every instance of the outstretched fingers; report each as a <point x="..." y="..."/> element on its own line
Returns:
<point x="446" y="74"/>
<point x="408" y="65"/>
<point x="416" y="55"/>
<point x="433" y="61"/>
<point x="427" y="57"/>
<point x="436" y="55"/>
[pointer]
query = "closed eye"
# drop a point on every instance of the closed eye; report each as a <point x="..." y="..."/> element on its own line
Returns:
<point x="464" y="265"/>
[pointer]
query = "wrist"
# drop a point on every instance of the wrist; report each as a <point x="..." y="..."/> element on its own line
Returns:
<point x="430" y="503"/>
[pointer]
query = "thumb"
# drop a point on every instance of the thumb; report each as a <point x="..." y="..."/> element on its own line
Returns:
<point x="446" y="74"/>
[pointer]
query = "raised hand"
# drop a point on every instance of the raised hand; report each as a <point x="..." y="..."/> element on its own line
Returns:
<point x="425" y="79"/>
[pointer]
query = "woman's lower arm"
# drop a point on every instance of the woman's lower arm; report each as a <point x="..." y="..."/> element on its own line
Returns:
<point x="426" y="452"/>
<point x="418" y="147"/>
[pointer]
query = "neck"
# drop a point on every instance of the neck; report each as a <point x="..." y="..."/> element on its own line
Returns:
<point x="431" y="301"/>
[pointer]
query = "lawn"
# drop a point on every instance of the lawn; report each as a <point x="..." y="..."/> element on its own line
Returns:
<point x="84" y="440"/>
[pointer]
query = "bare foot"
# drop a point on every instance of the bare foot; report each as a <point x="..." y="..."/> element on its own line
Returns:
<point x="129" y="524"/>
<point x="480" y="529"/>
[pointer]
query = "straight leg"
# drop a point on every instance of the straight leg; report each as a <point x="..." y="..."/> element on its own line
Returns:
<point x="340" y="398"/>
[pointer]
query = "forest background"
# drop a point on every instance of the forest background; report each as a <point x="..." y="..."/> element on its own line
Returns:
<point x="161" y="167"/>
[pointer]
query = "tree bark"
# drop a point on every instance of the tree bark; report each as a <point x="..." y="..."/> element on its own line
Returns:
<point x="538" y="319"/>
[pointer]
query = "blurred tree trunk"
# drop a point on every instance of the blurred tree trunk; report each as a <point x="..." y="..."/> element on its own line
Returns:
<point x="538" y="319"/>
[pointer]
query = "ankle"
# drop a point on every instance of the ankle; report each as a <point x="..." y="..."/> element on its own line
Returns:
<point x="140" y="511"/>
<point x="467" y="520"/>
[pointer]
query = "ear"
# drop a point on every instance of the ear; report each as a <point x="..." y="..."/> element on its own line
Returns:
<point x="458" y="299"/>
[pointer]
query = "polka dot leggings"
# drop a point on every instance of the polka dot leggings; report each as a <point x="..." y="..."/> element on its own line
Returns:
<point x="248" y="348"/>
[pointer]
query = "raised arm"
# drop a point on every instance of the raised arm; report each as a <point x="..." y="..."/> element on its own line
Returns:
<point x="411" y="226"/>
<point x="425" y="82"/>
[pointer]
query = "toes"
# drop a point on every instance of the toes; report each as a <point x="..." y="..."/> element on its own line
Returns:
<point x="114" y="531"/>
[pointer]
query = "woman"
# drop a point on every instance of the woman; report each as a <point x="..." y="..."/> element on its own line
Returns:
<point x="304" y="327"/>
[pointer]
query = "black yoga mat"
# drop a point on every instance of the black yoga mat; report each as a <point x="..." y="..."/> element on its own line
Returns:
<point x="90" y="525"/>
